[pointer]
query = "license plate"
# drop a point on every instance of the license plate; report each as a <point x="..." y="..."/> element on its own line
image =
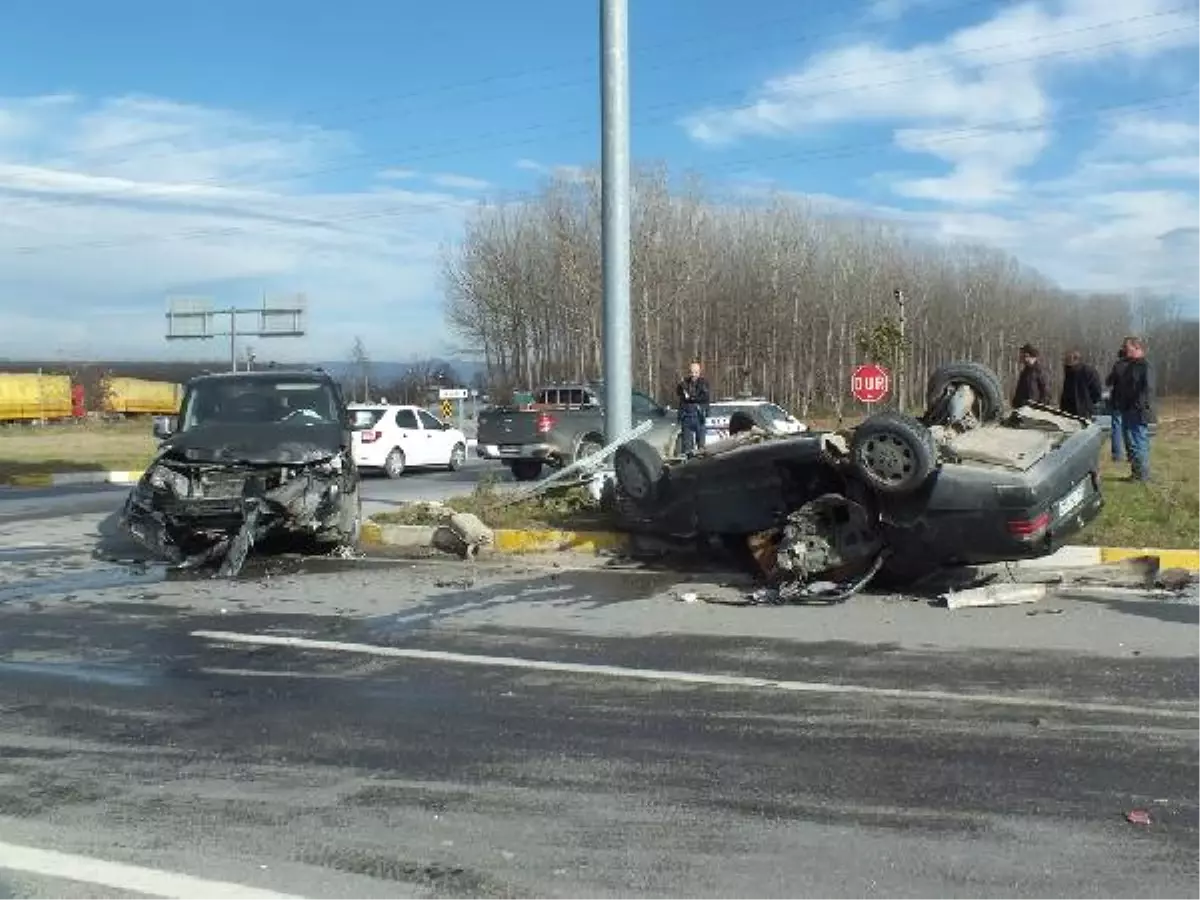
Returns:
<point x="1069" y="503"/>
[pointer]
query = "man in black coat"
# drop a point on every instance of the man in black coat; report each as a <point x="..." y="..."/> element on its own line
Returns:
<point x="693" y="397"/>
<point x="1134" y="398"/>
<point x="1080" y="388"/>
<point x="1032" y="384"/>
<point x="1117" y="435"/>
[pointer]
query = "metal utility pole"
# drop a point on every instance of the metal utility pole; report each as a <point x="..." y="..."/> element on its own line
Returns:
<point x="614" y="202"/>
<point x="902" y="354"/>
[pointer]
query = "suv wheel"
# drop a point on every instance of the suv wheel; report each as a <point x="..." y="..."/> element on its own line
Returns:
<point x="526" y="469"/>
<point x="458" y="457"/>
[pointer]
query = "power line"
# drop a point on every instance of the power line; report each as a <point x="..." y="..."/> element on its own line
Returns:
<point x="809" y="36"/>
<point x="666" y="115"/>
<point x="949" y="136"/>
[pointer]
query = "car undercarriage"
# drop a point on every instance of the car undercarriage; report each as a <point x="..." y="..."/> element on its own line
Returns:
<point x="897" y="497"/>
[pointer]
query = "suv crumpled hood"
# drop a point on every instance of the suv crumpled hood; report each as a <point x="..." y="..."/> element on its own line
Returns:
<point x="267" y="444"/>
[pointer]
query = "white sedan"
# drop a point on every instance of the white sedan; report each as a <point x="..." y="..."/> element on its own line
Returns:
<point x="395" y="438"/>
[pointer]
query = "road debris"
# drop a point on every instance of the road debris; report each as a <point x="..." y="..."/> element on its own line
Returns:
<point x="1138" y="817"/>
<point x="995" y="595"/>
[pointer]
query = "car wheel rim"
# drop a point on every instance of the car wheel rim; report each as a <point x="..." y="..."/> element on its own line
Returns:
<point x="394" y="465"/>
<point x="458" y="457"/>
<point x="888" y="458"/>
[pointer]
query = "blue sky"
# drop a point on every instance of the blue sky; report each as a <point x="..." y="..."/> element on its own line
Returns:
<point x="226" y="149"/>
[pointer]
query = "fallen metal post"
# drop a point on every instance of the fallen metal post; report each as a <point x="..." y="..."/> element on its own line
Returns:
<point x="581" y="465"/>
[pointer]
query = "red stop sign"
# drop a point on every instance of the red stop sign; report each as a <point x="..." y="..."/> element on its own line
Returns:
<point x="870" y="383"/>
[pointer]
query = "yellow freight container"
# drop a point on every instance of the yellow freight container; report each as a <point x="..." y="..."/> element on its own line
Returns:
<point x="137" y="396"/>
<point x="25" y="397"/>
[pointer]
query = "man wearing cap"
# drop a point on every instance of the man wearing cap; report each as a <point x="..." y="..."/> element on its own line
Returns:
<point x="1032" y="384"/>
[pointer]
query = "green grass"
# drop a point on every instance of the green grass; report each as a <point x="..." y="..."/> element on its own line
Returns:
<point x="1164" y="513"/>
<point x="567" y="509"/>
<point x="32" y="450"/>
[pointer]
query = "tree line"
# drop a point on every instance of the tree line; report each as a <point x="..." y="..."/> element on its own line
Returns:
<point x="781" y="298"/>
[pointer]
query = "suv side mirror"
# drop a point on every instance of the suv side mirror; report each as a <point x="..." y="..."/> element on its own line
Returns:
<point x="164" y="427"/>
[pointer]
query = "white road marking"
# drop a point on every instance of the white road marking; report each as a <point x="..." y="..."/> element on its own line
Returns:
<point x="123" y="877"/>
<point x="704" y="678"/>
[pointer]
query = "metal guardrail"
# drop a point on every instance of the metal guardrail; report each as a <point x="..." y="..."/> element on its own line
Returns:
<point x="586" y="465"/>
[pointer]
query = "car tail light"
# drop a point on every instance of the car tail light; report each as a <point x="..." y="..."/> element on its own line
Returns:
<point x="369" y="437"/>
<point x="545" y="423"/>
<point x="1029" y="528"/>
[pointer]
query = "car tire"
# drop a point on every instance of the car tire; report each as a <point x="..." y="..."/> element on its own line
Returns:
<point x="989" y="393"/>
<point x="394" y="464"/>
<point x="458" y="457"/>
<point x="893" y="453"/>
<point x="526" y="469"/>
<point x="638" y="468"/>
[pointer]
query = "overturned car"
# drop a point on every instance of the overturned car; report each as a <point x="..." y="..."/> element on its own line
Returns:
<point x="251" y="455"/>
<point x="896" y="497"/>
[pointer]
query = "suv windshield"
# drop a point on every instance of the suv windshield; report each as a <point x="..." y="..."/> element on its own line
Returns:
<point x="259" y="401"/>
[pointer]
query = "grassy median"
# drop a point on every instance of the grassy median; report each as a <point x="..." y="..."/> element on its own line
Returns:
<point x="567" y="509"/>
<point x="1164" y="513"/>
<point x="27" y="451"/>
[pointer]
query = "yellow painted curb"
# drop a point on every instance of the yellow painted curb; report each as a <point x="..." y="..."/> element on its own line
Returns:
<point x="514" y="540"/>
<point x="1167" y="559"/>
<point x="371" y="533"/>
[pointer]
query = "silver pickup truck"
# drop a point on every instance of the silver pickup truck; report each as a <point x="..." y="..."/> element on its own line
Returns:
<point x="565" y="422"/>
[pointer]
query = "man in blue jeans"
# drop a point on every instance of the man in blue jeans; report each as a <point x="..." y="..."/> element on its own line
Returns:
<point x="1117" y="435"/>
<point x="692" y="395"/>
<point x="1134" y="400"/>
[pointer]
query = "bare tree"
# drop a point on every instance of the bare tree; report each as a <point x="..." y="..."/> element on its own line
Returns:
<point x="362" y="369"/>
<point x="772" y="295"/>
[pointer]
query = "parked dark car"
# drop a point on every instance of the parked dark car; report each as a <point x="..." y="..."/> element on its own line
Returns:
<point x="251" y="454"/>
<point x="964" y="484"/>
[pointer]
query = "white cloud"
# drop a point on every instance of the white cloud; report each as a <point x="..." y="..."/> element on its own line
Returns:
<point x="985" y="76"/>
<point x="459" y="182"/>
<point x="563" y="171"/>
<point x="105" y="209"/>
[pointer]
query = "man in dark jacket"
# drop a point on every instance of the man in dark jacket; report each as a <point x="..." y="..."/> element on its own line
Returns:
<point x="1032" y="384"/>
<point x="1080" y="387"/>
<point x="693" y="396"/>
<point x="1117" y="434"/>
<point x="1134" y="398"/>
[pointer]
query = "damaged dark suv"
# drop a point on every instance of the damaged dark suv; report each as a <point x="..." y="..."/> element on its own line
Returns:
<point x="250" y="455"/>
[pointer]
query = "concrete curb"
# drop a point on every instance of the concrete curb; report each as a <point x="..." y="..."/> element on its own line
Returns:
<point x="517" y="541"/>
<point x="513" y="541"/>
<point x="64" y="479"/>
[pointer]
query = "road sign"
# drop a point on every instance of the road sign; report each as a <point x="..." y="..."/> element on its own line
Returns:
<point x="447" y="409"/>
<point x="452" y="393"/>
<point x="870" y="383"/>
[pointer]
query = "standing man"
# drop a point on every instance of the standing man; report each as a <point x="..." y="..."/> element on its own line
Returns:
<point x="1134" y="395"/>
<point x="1117" y="434"/>
<point x="1080" y="387"/>
<point x="692" y="394"/>
<point x="1032" y="384"/>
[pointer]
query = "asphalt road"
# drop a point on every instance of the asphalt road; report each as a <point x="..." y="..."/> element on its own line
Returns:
<point x="374" y="727"/>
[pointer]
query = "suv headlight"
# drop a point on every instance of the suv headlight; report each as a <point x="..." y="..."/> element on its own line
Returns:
<point x="163" y="478"/>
